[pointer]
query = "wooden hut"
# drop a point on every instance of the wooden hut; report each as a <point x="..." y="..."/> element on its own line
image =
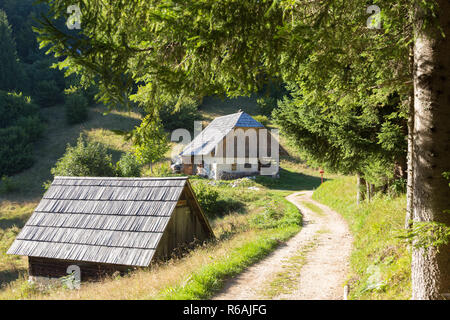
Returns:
<point x="104" y="225"/>
<point x="210" y="148"/>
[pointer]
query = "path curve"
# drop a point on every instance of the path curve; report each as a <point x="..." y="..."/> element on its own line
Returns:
<point x="326" y="267"/>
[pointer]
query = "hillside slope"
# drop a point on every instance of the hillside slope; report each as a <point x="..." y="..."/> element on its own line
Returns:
<point x="17" y="206"/>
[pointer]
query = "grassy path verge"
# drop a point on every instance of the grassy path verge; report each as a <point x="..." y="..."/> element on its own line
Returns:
<point x="380" y="262"/>
<point x="312" y="265"/>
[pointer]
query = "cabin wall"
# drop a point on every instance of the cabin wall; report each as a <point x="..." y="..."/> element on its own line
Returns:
<point x="227" y="170"/>
<point x="54" y="268"/>
<point x="183" y="229"/>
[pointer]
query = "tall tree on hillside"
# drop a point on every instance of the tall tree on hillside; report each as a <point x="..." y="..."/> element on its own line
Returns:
<point x="10" y="68"/>
<point x="152" y="50"/>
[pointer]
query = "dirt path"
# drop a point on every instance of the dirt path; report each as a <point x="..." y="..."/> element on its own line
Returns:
<point x="315" y="261"/>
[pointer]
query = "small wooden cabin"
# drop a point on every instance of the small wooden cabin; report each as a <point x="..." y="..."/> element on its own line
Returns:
<point x="210" y="148"/>
<point x="104" y="225"/>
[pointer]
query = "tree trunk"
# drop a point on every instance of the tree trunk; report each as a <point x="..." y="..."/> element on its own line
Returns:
<point x="368" y="193"/>
<point x="431" y="268"/>
<point x="359" y="185"/>
<point x="410" y="178"/>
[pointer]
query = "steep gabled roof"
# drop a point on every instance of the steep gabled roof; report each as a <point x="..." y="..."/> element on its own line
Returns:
<point x="208" y="139"/>
<point x="103" y="220"/>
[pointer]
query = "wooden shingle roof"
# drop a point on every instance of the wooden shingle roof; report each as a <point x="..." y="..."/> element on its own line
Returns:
<point x="103" y="220"/>
<point x="208" y="139"/>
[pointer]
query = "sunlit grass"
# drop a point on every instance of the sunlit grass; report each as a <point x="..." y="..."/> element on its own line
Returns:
<point x="197" y="275"/>
<point x="380" y="261"/>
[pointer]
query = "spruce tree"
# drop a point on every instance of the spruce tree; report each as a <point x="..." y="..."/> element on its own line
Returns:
<point x="10" y="68"/>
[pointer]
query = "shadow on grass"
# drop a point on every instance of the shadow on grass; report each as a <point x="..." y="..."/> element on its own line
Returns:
<point x="8" y="276"/>
<point x="6" y="223"/>
<point x="290" y="181"/>
<point x="110" y="121"/>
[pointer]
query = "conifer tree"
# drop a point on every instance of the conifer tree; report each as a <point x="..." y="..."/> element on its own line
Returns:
<point x="10" y="68"/>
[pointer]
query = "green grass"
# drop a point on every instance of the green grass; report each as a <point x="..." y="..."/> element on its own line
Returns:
<point x="311" y="206"/>
<point x="12" y="218"/>
<point x="380" y="261"/>
<point x="271" y="231"/>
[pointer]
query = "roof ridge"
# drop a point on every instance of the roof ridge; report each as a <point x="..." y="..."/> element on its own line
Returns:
<point x="123" y="178"/>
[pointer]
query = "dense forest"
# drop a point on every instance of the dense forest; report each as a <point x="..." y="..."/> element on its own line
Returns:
<point x="28" y="82"/>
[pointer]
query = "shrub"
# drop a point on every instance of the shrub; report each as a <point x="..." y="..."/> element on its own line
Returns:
<point x="183" y="118"/>
<point x="76" y="108"/>
<point x="7" y="185"/>
<point x="160" y="170"/>
<point x="277" y="214"/>
<point x="77" y="84"/>
<point x="213" y="202"/>
<point x="16" y="153"/>
<point x="128" y="166"/>
<point x="207" y="197"/>
<point x="20" y="125"/>
<point x="14" y="106"/>
<point x="47" y="93"/>
<point x="398" y="187"/>
<point x="262" y="119"/>
<point x="86" y="159"/>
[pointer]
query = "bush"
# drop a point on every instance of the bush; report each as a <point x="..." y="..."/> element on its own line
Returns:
<point x="7" y="185"/>
<point x="16" y="153"/>
<point x="160" y="170"/>
<point x="397" y="187"/>
<point x="128" y="166"/>
<point x="86" y="159"/>
<point x="47" y="93"/>
<point x="213" y="202"/>
<point x="76" y="108"/>
<point x="20" y="126"/>
<point x="275" y="215"/>
<point x="13" y="107"/>
<point x="74" y="85"/>
<point x="207" y="197"/>
<point x="262" y="119"/>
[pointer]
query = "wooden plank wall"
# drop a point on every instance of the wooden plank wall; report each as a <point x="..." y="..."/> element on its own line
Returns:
<point x="54" y="268"/>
